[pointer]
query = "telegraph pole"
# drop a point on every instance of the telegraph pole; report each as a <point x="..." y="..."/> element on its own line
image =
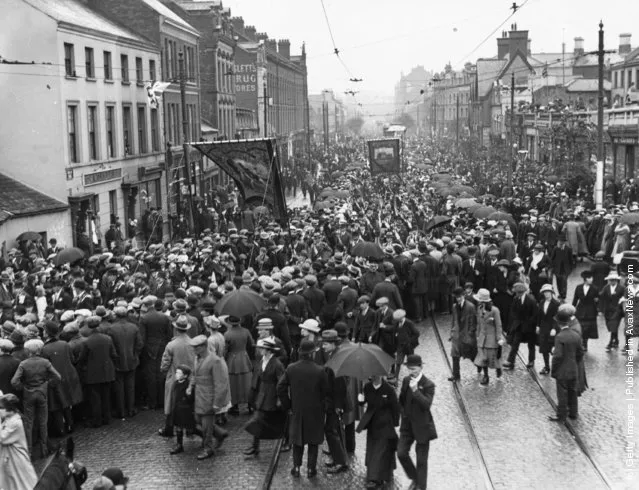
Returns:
<point x="601" y="156"/>
<point x="185" y="146"/>
<point x="265" y="113"/>
<point x="457" y="123"/>
<point x="512" y="129"/>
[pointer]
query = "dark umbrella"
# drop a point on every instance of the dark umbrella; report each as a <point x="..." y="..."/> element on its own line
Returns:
<point x="368" y="250"/>
<point x="68" y="255"/>
<point x="459" y="189"/>
<point x="436" y="222"/>
<point x="360" y="361"/>
<point x="484" y="212"/>
<point x="465" y="203"/>
<point x="240" y="303"/>
<point x="322" y="205"/>
<point x="29" y="235"/>
<point x="501" y="216"/>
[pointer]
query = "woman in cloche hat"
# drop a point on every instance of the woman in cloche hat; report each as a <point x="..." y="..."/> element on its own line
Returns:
<point x="489" y="335"/>
<point x="548" y="307"/>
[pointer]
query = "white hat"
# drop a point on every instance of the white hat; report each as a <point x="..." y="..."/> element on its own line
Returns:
<point x="613" y="276"/>
<point x="546" y="287"/>
<point x="311" y="325"/>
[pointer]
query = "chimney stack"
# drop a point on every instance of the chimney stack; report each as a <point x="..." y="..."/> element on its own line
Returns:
<point x="502" y="45"/>
<point x="579" y="46"/>
<point x="271" y="45"/>
<point x="250" y="32"/>
<point x="284" y="48"/>
<point x="238" y="24"/>
<point x="624" y="43"/>
<point x="261" y="36"/>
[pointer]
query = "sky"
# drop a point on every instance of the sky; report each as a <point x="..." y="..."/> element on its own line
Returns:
<point x="378" y="39"/>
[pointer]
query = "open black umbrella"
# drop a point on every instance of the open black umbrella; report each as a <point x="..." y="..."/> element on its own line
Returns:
<point x="368" y="250"/>
<point x="240" y="303"/>
<point x="29" y="235"/>
<point x="436" y="222"/>
<point x="68" y="256"/>
<point x="360" y="361"/>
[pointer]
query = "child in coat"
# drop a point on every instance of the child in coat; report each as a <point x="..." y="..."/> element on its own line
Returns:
<point x="183" y="407"/>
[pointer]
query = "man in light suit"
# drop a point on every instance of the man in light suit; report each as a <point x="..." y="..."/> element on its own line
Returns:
<point x="417" y="423"/>
<point x="567" y="354"/>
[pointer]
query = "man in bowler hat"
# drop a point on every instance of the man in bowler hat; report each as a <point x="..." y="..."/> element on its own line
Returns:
<point x="417" y="425"/>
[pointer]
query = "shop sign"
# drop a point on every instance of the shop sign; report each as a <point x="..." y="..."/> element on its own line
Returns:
<point x="102" y="176"/>
<point x="625" y="141"/>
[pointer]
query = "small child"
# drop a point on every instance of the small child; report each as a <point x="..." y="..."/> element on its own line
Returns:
<point x="183" y="407"/>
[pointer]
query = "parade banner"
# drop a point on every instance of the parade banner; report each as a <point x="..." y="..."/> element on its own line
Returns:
<point x="384" y="157"/>
<point x="254" y="166"/>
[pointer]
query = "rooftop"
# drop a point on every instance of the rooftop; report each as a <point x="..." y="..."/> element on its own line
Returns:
<point x="165" y="11"/>
<point x="586" y="85"/>
<point x="76" y="13"/>
<point x="18" y="199"/>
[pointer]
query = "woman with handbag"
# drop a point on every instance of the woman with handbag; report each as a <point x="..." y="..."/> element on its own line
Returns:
<point x="379" y="422"/>
<point x="546" y="324"/>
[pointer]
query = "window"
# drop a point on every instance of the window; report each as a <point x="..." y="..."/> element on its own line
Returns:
<point x="616" y="84"/>
<point x="622" y="82"/>
<point x="72" y="124"/>
<point x="139" y="74"/>
<point x="110" y="131"/>
<point x="88" y="63"/>
<point x="124" y="67"/>
<point x="629" y="78"/>
<point x="69" y="60"/>
<point x="142" y="138"/>
<point x="152" y="70"/>
<point x="126" y="131"/>
<point x="168" y="60"/>
<point x="155" y="131"/>
<point x="108" y="68"/>
<point x="92" y="114"/>
<point x="174" y="59"/>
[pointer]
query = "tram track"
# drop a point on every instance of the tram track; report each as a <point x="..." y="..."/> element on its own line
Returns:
<point x="470" y="428"/>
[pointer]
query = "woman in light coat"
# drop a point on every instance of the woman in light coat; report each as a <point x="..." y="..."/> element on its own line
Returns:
<point x="489" y="335"/>
<point x="16" y="470"/>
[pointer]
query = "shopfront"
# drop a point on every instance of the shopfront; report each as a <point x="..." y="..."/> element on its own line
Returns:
<point x="143" y="200"/>
<point x="624" y="153"/>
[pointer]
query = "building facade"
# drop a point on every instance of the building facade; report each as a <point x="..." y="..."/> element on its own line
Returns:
<point x="93" y="125"/>
<point x="163" y="24"/>
<point x="327" y="117"/>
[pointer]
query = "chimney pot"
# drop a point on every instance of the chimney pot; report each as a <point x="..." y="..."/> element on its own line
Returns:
<point x="579" y="46"/>
<point x="624" y="43"/>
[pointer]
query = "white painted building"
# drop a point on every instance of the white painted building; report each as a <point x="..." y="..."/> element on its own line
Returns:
<point x="80" y="116"/>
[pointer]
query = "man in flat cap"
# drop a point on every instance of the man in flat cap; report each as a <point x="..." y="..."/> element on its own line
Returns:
<point x="365" y="321"/>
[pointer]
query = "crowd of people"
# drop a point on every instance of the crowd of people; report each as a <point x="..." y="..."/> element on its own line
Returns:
<point x="140" y="326"/>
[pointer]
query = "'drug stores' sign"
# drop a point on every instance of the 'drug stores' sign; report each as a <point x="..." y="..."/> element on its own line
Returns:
<point x="102" y="176"/>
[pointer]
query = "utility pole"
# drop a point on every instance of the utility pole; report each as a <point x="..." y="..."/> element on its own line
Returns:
<point x="601" y="156"/>
<point x="457" y="122"/>
<point x="512" y="130"/>
<point x="185" y="146"/>
<point x="265" y="113"/>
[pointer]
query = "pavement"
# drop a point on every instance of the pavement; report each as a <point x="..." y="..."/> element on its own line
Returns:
<point x="135" y="447"/>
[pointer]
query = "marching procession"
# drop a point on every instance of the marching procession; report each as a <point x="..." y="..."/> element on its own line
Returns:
<point x="312" y="328"/>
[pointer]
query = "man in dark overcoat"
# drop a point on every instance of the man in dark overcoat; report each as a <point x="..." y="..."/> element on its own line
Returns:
<point x="156" y="332"/>
<point x="127" y="341"/>
<point x="567" y="354"/>
<point x="98" y="356"/>
<point x="364" y="321"/>
<point x="418" y="279"/>
<point x="302" y="390"/>
<point x="463" y="331"/>
<point x="523" y="324"/>
<point x="384" y="331"/>
<point x="473" y="269"/>
<point x="561" y="265"/>
<point x="417" y="425"/>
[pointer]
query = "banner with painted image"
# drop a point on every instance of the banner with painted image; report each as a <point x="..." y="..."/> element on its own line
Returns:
<point x="384" y="156"/>
<point x="255" y="167"/>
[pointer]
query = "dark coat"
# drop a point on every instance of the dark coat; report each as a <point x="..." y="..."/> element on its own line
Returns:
<point x="387" y="289"/>
<point x="416" y="417"/>
<point x="610" y="307"/>
<point x="315" y="301"/>
<point x="127" y="341"/>
<point x="382" y="412"/>
<point x="331" y="289"/>
<point x="264" y="385"/>
<point x="303" y="389"/>
<point x="463" y="331"/>
<point x="364" y="325"/>
<point x="63" y="302"/>
<point x="8" y="367"/>
<point x="69" y="391"/>
<point x="561" y="260"/>
<point x="156" y="331"/>
<point x="546" y="322"/>
<point x="183" y="409"/>
<point x="297" y="313"/>
<point x="385" y="337"/>
<point x="523" y="317"/>
<point x="600" y="271"/>
<point x="98" y="356"/>
<point x="473" y="274"/>
<point x="586" y="305"/>
<point x="418" y="278"/>
<point x="567" y="354"/>
<point x="407" y="337"/>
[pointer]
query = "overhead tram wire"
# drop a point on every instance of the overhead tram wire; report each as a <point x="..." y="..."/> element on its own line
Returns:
<point x="335" y="49"/>
<point x="510" y="16"/>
